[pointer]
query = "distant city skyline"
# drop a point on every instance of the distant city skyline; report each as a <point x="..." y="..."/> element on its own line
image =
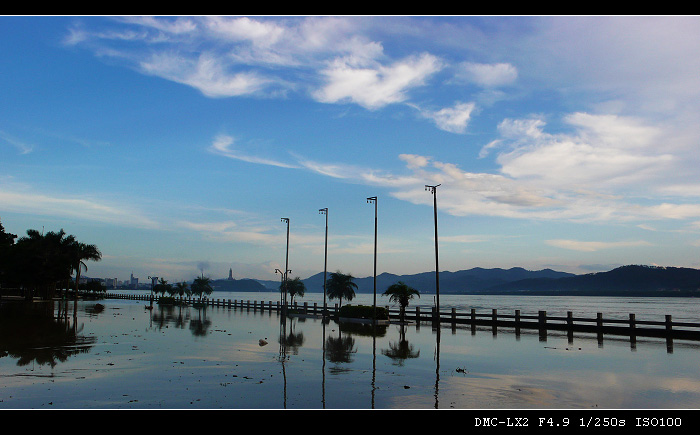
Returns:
<point x="176" y="144"/>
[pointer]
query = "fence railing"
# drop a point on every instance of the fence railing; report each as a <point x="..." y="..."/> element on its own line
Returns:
<point x="542" y="322"/>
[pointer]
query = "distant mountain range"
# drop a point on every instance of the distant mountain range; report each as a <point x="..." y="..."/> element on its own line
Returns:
<point x="630" y="280"/>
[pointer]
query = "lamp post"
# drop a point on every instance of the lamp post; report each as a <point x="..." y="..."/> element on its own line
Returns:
<point x="373" y="200"/>
<point x="153" y="279"/>
<point x="325" y="259"/>
<point x="286" y="268"/>
<point x="433" y="190"/>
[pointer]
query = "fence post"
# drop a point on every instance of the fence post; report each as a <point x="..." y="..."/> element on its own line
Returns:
<point x="669" y="323"/>
<point x="599" y="320"/>
<point x="542" y="318"/>
<point x="454" y="316"/>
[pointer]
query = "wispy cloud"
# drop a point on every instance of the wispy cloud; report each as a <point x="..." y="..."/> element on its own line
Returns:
<point x="207" y="73"/>
<point x="486" y="75"/>
<point x="24" y="201"/>
<point x="578" y="245"/>
<point x="230" y="231"/>
<point x="21" y="146"/>
<point x="223" y="146"/>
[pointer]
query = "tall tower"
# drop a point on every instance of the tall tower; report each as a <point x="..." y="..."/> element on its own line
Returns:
<point x="230" y="274"/>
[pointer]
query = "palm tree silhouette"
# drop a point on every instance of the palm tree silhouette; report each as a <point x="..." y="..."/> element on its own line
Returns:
<point x="295" y="287"/>
<point x="79" y="253"/>
<point x="181" y="288"/>
<point x="202" y="286"/>
<point x="401" y="293"/>
<point x="341" y="286"/>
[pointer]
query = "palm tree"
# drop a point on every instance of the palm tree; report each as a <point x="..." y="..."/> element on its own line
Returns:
<point x="79" y="253"/>
<point x="401" y="293"/>
<point x="201" y="286"/>
<point x="340" y="286"/>
<point x="181" y="288"/>
<point x="42" y="261"/>
<point x="162" y="287"/>
<point x="295" y="287"/>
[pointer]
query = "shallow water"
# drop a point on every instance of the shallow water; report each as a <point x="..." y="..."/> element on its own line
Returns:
<point x="128" y="357"/>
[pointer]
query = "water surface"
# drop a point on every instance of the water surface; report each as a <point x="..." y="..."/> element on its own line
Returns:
<point x="125" y="356"/>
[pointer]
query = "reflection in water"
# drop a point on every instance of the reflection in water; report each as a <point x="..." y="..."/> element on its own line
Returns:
<point x="383" y="367"/>
<point x="402" y="350"/>
<point x="437" y="365"/>
<point x="340" y="350"/>
<point x="167" y="315"/>
<point x="290" y="343"/>
<point x="32" y="333"/>
<point x="181" y="317"/>
<point x="200" y="326"/>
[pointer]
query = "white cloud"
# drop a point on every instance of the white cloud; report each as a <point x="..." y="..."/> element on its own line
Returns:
<point x="414" y="161"/>
<point x="602" y="150"/>
<point x="452" y="119"/>
<point x="577" y="245"/>
<point x="207" y="73"/>
<point x="259" y="33"/>
<point x="487" y="75"/>
<point x="375" y="86"/>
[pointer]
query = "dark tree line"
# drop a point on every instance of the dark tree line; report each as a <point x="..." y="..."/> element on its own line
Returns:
<point x="39" y="264"/>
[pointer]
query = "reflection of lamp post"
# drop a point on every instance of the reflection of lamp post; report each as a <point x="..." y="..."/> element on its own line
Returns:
<point x="433" y="190"/>
<point x="153" y="283"/>
<point x="325" y="259"/>
<point x="370" y="200"/>
<point x="286" y="268"/>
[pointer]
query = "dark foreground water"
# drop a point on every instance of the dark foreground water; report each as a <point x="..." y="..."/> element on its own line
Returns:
<point x="125" y="356"/>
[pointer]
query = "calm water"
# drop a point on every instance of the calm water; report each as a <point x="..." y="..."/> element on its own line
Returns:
<point x="128" y="357"/>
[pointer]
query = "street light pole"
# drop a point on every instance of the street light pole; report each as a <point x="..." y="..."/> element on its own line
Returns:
<point x="433" y="190"/>
<point x="370" y="200"/>
<point x="286" y="268"/>
<point x="325" y="259"/>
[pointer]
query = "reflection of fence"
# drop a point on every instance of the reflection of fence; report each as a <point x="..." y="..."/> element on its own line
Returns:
<point x="542" y="322"/>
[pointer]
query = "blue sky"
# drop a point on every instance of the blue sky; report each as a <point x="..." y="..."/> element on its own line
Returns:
<point x="177" y="144"/>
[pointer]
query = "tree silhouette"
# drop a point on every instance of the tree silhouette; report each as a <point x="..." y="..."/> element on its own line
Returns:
<point x="294" y="287"/>
<point x="79" y="253"/>
<point x="202" y="286"/>
<point x="181" y="289"/>
<point x="162" y="287"/>
<point x="340" y="286"/>
<point x="402" y="294"/>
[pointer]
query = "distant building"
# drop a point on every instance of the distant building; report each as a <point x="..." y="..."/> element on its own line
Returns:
<point x="134" y="282"/>
<point x="230" y="274"/>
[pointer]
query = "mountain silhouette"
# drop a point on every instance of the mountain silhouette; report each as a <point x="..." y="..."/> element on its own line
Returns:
<point x="463" y="281"/>
<point x="624" y="280"/>
<point x="632" y="280"/>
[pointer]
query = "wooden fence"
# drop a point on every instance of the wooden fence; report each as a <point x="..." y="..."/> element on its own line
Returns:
<point x="542" y="322"/>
